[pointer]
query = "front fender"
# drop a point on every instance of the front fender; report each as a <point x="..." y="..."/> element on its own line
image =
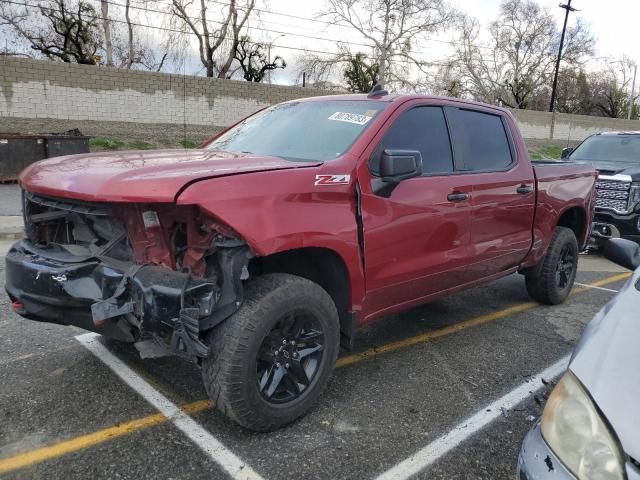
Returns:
<point x="284" y="210"/>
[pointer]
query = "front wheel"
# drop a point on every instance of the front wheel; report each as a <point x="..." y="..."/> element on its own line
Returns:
<point x="269" y="362"/>
<point x="551" y="281"/>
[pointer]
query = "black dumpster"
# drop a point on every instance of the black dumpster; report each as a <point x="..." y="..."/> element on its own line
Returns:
<point x="18" y="151"/>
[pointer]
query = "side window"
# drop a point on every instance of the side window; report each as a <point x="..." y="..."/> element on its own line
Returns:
<point x="481" y="138"/>
<point x="423" y="129"/>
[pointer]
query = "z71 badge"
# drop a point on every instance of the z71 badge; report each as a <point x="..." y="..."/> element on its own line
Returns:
<point x="333" y="179"/>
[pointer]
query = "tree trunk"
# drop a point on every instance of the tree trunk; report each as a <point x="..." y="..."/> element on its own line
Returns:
<point x="106" y="23"/>
<point x="131" y="54"/>
<point x="227" y="65"/>
<point x="382" y="70"/>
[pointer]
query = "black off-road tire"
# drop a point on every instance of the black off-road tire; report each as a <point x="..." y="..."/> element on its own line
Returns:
<point x="543" y="280"/>
<point x="229" y="371"/>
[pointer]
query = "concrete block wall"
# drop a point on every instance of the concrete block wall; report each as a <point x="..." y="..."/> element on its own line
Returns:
<point x="43" y="96"/>
<point x="566" y="127"/>
<point x="47" y="96"/>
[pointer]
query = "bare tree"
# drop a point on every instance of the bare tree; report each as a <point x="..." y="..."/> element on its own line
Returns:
<point x="327" y="68"/>
<point x="253" y="61"/>
<point x="574" y="93"/>
<point x="13" y="19"/>
<point x="195" y="16"/>
<point x="73" y="31"/>
<point x="131" y="49"/>
<point x="395" y="30"/>
<point x="610" y="89"/>
<point x="64" y="30"/>
<point x="446" y="81"/>
<point x="518" y="61"/>
<point x="208" y="41"/>
<point x="238" y="19"/>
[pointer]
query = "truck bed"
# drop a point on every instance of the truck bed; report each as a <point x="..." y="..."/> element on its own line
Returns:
<point x="560" y="188"/>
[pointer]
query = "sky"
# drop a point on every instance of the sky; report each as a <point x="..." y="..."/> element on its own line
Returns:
<point x="614" y="23"/>
<point x="292" y="26"/>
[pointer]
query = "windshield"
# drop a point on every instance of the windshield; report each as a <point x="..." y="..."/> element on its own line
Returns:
<point x="311" y="131"/>
<point x="609" y="148"/>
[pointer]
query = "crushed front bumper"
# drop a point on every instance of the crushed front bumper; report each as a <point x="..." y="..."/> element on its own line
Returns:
<point x="117" y="299"/>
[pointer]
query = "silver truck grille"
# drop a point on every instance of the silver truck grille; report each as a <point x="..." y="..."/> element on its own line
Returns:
<point x="613" y="193"/>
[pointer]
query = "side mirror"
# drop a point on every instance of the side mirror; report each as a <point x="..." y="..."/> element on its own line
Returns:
<point x="623" y="252"/>
<point x="398" y="165"/>
<point x="566" y="152"/>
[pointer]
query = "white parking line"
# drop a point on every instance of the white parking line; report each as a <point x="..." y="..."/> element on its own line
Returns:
<point x="597" y="288"/>
<point x="201" y="437"/>
<point x="443" y="445"/>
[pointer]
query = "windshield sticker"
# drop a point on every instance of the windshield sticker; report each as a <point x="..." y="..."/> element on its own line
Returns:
<point x="350" y="118"/>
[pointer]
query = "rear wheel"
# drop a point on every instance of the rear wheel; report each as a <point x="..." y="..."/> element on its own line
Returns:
<point x="551" y="281"/>
<point x="270" y="361"/>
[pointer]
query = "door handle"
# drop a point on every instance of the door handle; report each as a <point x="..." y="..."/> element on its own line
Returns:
<point x="458" y="197"/>
<point x="524" y="189"/>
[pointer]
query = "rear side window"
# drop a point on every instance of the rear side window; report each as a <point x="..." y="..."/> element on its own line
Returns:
<point x="481" y="139"/>
<point x="423" y="129"/>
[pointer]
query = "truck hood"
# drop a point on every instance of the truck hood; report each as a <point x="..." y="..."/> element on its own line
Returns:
<point x="139" y="176"/>
<point x="606" y="362"/>
<point x="615" y="168"/>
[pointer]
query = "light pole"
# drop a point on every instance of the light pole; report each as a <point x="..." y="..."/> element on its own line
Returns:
<point x="568" y="9"/>
<point x="269" y="45"/>
<point x="633" y="91"/>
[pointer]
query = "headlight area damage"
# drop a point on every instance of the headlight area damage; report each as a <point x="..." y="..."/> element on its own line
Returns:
<point x="577" y="433"/>
<point x="156" y="274"/>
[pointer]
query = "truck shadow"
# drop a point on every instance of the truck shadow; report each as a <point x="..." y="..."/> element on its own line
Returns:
<point x="180" y="380"/>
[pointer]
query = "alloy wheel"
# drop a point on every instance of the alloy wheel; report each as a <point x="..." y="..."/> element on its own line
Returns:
<point x="289" y="357"/>
<point x="565" y="267"/>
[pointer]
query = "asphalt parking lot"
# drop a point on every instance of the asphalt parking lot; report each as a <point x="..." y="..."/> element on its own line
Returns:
<point x="416" y="382"/>
<point x="10" y="199"/>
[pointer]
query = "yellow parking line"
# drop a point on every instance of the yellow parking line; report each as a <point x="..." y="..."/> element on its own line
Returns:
<point x="428" y="336"/>
<point x="606" y="281"/>
<point x="84" y="441"/>
<point x="65" y="447"/>
<point x="443" y="332"/>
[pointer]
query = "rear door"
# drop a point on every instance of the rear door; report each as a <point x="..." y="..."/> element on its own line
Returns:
<point x="416" y="241"/>
<point x="502" y="187"/>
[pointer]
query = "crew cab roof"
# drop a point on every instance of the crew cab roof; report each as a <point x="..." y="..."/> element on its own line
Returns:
<point x="388" y="98"/>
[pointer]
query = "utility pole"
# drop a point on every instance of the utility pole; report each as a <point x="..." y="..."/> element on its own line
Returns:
<point x="269" y="45"/>
<point x="568" y="9"/>
<point x="633" y="92"/>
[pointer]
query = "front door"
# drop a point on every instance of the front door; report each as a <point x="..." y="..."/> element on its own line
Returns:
<point x="416" y="241"/>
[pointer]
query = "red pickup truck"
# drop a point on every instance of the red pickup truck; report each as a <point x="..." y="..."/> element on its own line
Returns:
<point x="258" y="254"/>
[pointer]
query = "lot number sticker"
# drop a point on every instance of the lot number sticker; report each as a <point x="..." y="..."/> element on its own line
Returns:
<point x="350" y="118"/>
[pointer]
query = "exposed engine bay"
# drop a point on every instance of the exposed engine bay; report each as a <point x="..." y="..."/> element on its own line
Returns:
<point x="158" y="275"/>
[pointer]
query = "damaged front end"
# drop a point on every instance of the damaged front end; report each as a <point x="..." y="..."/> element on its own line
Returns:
<point x="159" y="275"/>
